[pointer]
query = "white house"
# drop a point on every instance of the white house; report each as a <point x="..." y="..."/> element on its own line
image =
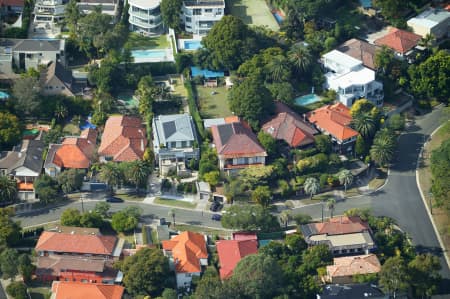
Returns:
<point x="199" y="16"/>
<point x="350" y="79"/>
<point x="109" y="7"/>
<point x="174" y="141"/>
<point x="49" y="11"/>
<point x="432" y="21"/>
<point x="145" y="16"/>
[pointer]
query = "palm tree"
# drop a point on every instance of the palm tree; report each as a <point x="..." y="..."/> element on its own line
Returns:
<point x="311" y="186"/>
<point x="346" y="178"/>
<point x="301" y="57"/>
<point x="278" y="68"/>
<point x="285" y="217"/>
<point x="382" y="150"/>
<point x="8" y="189"/>
<point x="364" y="124"/>
<point x="60" y="111"/>
<point x="172" y="214"/>
<point x="138" y="172"/>
<point x="427" y="41"/>
<point x="110" y="174"/>
<point x="331" y="205"/>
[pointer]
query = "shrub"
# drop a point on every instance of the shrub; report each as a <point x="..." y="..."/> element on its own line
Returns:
<point x="323" y="180"/>
<point x="17" y="290"/>
<point x="285" y="188"/>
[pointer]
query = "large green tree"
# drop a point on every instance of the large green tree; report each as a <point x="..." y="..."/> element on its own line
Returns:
<point x="46" y="188"/>
<point x="126" y="220"/>
<point x="70" y="217"/>
<point x="251" y="100"/>
<point x="8" y="263"/>
<point x="262" y="195"/>
<point x="146" y="273"/>
<point x="70" y="180"/>
<point x="8" y="189"/>
<point x="383" y="147"/>
<point x="394" y="276"/>
<point x="424" y="271"/>
<point x="92" y="32"/>
<point x="171" y="12"/>
<point x="26" y="94"/>
<point x="9" y="229"/>
<point x="137" y="173"/>
<point x="10" y="130"/>
<point x="249" y="217"/>
<point x="301" y="58"/>
<point x="364" y="124"/>
<point x="432" y="77"/>
<point x="72" y="15"/>
<point x="268" y="142"/>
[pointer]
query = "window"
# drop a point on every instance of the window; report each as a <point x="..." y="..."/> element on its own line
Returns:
<point x="197" y="11"/>
<point x="183" y="143"/>
<point x="188" y="19"/>
<point x="208" y="10"/>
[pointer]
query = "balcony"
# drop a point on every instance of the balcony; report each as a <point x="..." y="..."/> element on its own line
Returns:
<point x="142" y="24"/>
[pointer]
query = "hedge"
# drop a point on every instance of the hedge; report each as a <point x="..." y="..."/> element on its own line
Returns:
<point x="192" y="101"/>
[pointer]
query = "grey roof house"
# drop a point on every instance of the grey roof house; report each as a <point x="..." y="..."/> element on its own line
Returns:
<point x="24" y="164"/>
<point x="57" y="80"/>
<point x="174" y="141"/>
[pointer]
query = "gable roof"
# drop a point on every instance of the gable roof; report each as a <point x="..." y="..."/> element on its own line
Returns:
<point x="353" y="265"/>
<point x="361" y="50"/>
<point x="231" y="252"/>
<point x="187" y="249"/>
<point x="335" y="226"/>
<point x="399" y="40"/>
<point x="56" y="70"/>
<point x="74" y="152"/>
<point x="334" y="119"/>
<point x="36" y="45"/>
<point x="123" y="138"/>
<point x="288" y="126"/>
<point x="80" y="290"/>
<point x="28" y="155"/>
<point x="233" y="140"/>
<point x="76" y="243"/>
<point x="174" y="128"/>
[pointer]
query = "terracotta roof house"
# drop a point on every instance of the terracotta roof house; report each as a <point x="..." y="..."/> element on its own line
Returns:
<point x="231" y="252"/>
<point x="289" y="126"/>
<point x="23" y="164"/>
<point x="57" y="80"/>
<point x="237" y="146"/>
<point x="345" y="268"/>
<point x="77" y="255"/>
<point x="361" y="50"/>
<point x="80" y="290"/>
<point x="334" y="120"/>
<point x="74" y="152"/>
<point x="187" y="253"/>
<point x="174" y="142"/>
<point x="123" y="140"/>
<point x="401" y="41"/>
<point x="343" y="235"/>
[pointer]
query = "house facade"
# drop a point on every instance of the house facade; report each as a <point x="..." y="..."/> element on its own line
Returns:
<point x="49" y="11"/>
<point x="123" y="140"/>
<point x="199" y="16"/>
<point x="77" y="254"/>
<point x="23" y="164"/>
<point x="350" y="79"/>
<point x="334" y="120"/>
<point x="56" y="80"/>
<point x="343" y="235"/>
<point x="432" y="21"/>
<point x="145" y="16"/>
<point x="109" y="7"/>
<point x="175" y="141"/>
<point x="237" y="146"/>
<point x="188" y="255"/>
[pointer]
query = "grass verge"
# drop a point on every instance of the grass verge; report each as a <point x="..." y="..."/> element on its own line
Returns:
<point x="174" y="203"/>
<point x="130" y="197"/>
<point x="202" y="229"/>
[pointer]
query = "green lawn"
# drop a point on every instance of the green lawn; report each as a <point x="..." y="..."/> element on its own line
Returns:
<point x="71" y="129"/>
<point x="174" y="203"/>
<point x="130" y="197"/>
<point x="204" y="230"/>
<point x="139" y="42"/>
<point x="212" y="106"/>
<point x="254" y="12"/>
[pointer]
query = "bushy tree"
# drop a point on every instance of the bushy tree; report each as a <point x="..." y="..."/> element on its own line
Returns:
<point x="10" y="130"/>
<point x="70" y="180"/>
<point x="8" y="263"/>
<point x="323" y="143"/>
<point x="71" y="217"/>
<point x="262" y="195"/>
<point x="146" y="273"/>
<point x="125" y="220"/>
<point x="102" y="208"/>
<point x="394" y="276"/>
<point x="8" y="189"/>
<point x="249" y="217"/>
<point x="268" y="142"/>
<point x="396" y="122"/>
<point x="170" y="13"/>
<point x="26" y="267"/>
<point x="9" y="229"/>
<point x="46" y="188"/>
<point x="424" y="272"/>
<point x="17" y="290"/>
<point x="26" y="94"/>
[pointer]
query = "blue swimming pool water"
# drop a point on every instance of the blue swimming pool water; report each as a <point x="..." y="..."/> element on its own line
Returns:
<point x="148" y="54"/>
<point x="278" y="17"/>
<point x="4" y="95"/>
<point x="192" y="44"/>
<point x="307" y="99"/>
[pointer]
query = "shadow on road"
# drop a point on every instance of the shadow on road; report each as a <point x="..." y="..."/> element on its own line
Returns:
<point x="42" y="211"/>
<point x="194" y="222"/>
<point x="408" y="151"/>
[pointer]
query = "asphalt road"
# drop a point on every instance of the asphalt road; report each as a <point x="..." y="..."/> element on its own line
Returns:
<point x="399" y="198"/>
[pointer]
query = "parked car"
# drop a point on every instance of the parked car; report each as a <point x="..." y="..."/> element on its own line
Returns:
<point x="114" y="199"/>
<point x="215" y="206"/>
<point x="216" y="217"/>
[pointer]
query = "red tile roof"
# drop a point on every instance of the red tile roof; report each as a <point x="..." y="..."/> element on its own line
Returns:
<point x="235" y="140"/>
<point x="353" y="265"/>
<point x="80" y="290"/>
<point x="76" y="243"/>
<point x="17" y="3"/>
<point x="76" y="152"/>
<point x="399" y="40"/>
<point x="341" y="225"/>
<point x="123" y="139"/>
<point x="231" y="252"/>
<point x="288" y="126"/>
<point x="334" y="119"/>
<point x="187" y="249"/>
<point x="241" y="236"/>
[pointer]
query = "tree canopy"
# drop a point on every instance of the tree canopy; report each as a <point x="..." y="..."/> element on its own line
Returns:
<point x="10" y="130"/>
<point x="170" y="13"/>
<point x="249" y="217"/>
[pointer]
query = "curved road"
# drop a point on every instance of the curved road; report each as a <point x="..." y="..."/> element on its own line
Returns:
<point x="399" y="198"/>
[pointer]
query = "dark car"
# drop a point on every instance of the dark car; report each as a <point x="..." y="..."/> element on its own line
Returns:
<point x="215" y="206"/>
<point x="216" y="217"/>
<point x="114" y="199"/>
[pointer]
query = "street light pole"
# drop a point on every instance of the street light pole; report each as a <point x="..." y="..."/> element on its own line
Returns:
<point x="82" y="203"/>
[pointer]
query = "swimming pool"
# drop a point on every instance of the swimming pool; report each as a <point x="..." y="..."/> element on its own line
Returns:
<point x="192" y="44"/>
<point x="153" y="54"/>
<point x="307" y="99"/>
<point x="4" y="95"/>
